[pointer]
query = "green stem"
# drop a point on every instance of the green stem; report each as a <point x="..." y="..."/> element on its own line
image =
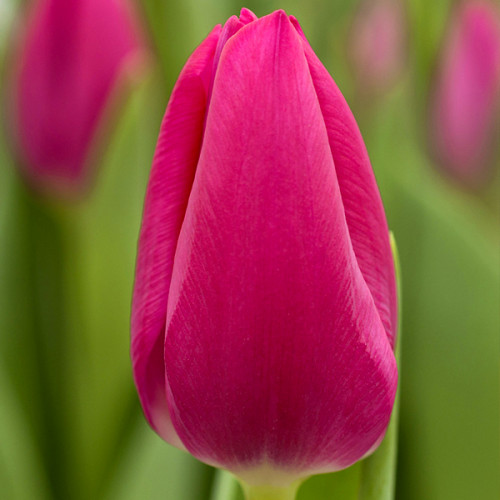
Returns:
<point x="270" y="492"/>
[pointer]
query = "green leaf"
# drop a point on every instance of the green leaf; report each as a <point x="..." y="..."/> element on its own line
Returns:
<point x="31" y="319"/>
<point x="450" y="399"/>
<point x="177" y="28"/>
<point x="428" y="21"/>
<point x="21" y="471"/>
<point x="226" y="487"/>
<point x="101" y="238"/>
<point x="450" y="254"/>
<point x="150" y="469"/>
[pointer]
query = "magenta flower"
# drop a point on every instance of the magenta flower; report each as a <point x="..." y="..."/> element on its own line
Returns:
<point x="377" y="43"/>
<point x="465" y="106"/>
<point x="264" y="308"/>
<point x="67" y="62"/>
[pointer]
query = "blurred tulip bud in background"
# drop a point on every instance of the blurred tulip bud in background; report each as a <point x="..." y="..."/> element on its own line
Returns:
<point x="377" y="44"/>
<point x="264" y="310"/>
<point x="65" y="67"/>
<point x="465" y="101"/>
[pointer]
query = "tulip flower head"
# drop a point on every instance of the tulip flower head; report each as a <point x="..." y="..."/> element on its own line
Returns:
<point x="264" y="309"/>
<point x="465" y="101"/>
<point x="67" y="63"/>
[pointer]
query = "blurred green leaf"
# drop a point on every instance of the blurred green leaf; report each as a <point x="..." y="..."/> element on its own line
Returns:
<point x="428" y="20"/>
<point x="21" y="471"/>
<point x="7" y="8"/>
<point x="226" y="487"/>
<point x="101" y="237"/>
<point x="150" y="469"/>
<point x="31" y="320"/>
<point x="450" y="256"/>
<point x="343" y="484"/>
<point x="177" y="28"/>
<point x="450" y="397"/>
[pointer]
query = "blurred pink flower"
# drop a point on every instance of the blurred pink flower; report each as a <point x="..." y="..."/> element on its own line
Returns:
<point x="264" y="310"/>
<point x="67" y="62"/>
<point x="465" y="101"/>
<point x="377" y="43"/>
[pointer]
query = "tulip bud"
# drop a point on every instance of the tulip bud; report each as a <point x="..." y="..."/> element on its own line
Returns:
<point x="264" y="309"/>
<point x="66" y="64"/>
<point x="465" y="101"/>
<point x="377" y="44"/>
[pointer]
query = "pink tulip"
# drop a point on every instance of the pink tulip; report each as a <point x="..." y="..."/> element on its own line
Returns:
<point x="264" y="308"/>
<point x="68" y="60"/>
<point x="465" y="105"/>
<point x="377" y="43"/>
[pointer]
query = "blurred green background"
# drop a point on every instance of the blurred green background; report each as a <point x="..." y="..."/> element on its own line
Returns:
<point x="70" y="422"/>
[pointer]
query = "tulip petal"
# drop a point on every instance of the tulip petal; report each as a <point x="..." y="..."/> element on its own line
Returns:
<point x="364" y="211"/>
<point x="247" y="16"/>
<point x="232" y="26"/>
<point x="170" y="183"/>
<point x="275" y="353"/>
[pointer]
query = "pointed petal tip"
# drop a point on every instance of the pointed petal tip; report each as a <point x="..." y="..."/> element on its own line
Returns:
<point x="280" y="16"/>
<point x="247" y="16"/>
<point x="298" y="27"/>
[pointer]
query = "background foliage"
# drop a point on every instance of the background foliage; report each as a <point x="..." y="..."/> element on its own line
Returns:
<point x="70" y="423"/>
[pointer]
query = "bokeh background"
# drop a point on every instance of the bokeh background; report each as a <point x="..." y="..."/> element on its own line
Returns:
<point x="70" y="423"/>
